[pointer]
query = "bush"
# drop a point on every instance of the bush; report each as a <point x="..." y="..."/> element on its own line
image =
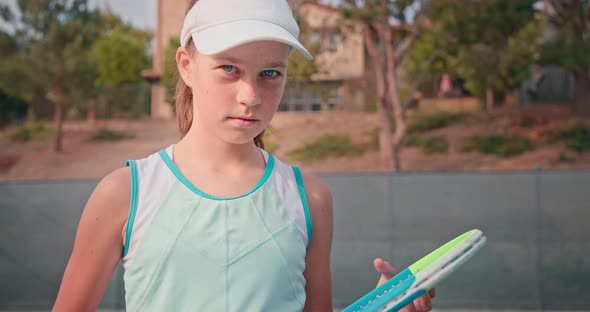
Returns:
<point x="499" y="145"/>
<point x="336" y="145"/>
<point x="428" y="145"/>
<point x="36" y="132"/>
<point x="11" y="109"/>
<point x="565" y="157"/>
<point x="576" y="137"/>
<point x="423" y="122"/>
<point x="435" y="145"/>
<point x="412" y="140"/>
<point x="104" y="134"/>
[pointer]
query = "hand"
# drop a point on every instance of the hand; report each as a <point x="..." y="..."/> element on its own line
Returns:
<point x="421" y="304"/>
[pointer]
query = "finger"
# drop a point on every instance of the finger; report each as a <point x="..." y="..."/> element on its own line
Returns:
<point x="384" y="268"/>
<point x="432" y="293"/>
<point x="423" y="303"/>
<point x="409" y="308"/>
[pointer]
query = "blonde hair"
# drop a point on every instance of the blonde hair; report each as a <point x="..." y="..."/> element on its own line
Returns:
<point x="183" y="99"/>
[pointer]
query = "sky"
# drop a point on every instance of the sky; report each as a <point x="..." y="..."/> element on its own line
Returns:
<point x="140" y="13"/>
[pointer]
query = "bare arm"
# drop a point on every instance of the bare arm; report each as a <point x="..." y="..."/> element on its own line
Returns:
<point x="98" y="245"/>
<point x="317" y="273"/>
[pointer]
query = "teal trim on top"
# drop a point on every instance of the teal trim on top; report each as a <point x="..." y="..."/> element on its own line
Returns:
<point x="187" y="183"/>
<point x="301" y="188"/>
<point x="132" y="206"/>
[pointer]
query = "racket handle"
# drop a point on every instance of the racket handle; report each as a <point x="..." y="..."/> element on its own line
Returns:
<point x="379" y="296"/>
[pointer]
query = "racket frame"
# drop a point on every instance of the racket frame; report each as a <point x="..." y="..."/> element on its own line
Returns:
<point x="421" y="276"/>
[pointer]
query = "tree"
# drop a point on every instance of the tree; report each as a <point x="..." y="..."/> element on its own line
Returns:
<point x="120" y="57"/>
<point x="170" y="74"/>
<point x="571" y="46"/>
<point x="387" y="46"/>
<point x="51" y="51"/>
<point x="301" y="69"/>
<point x="57" y="58"/>
<point x="490" y="44"/>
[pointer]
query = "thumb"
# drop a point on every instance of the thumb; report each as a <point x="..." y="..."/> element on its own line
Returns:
<point x="387" y="271"/>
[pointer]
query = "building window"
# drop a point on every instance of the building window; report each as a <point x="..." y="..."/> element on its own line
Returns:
<point x="329" y="40"/>
<point x="333" y="42"/>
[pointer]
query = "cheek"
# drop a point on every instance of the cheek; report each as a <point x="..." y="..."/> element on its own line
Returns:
<point x="210" y="96"/>
<point x="274" y="94"/>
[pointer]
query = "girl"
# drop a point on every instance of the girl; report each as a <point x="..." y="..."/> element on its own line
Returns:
<point x="214" y="222"/>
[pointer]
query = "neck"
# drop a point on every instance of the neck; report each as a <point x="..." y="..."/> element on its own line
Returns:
<point x="214" y="153"/>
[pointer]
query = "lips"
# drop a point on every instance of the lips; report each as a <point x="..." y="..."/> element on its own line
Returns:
<point x="244" y="118"/>
<point x="243" y="121"/>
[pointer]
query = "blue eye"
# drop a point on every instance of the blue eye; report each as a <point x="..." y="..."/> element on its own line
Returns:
<point x="270" y="73"/>
<point x="229" y="68"/>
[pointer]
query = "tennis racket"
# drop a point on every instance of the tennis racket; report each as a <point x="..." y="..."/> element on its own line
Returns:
<point x="421" y="276"/>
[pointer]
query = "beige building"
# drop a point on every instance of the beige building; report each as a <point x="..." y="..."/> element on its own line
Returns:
<point x="340" y="82"/>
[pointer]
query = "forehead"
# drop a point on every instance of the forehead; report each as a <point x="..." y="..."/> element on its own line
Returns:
<point x="255" y="53"/>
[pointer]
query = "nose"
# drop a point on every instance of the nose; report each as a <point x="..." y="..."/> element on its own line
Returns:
<point x="248" y="93"/>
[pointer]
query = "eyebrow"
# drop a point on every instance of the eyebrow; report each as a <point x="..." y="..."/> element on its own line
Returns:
<point x="277" y="65"/>
<point x="229" y="59"/>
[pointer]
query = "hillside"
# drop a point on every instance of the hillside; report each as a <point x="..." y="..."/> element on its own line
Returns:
<point x="88" y="159"/>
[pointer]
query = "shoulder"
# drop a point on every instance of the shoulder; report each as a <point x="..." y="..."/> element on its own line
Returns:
<point x="319" y="199"/>
<point x="317" y="191"/>
<point x="112" y="194"/>
<point x="116" y="184"/>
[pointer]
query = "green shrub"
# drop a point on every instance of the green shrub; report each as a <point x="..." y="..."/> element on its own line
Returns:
<point x="412" y="140"/>
<point x="499" y="145"/>
<point x="331" y="145"/>
<point x="565" y="157"/>
<point x="428" y="145"/>
<point x="104" y="134"/>
<point x="36" y="132"/>
<point x="11" y="109"/>
<point x="576" y="137"/>
<point x="423" y="122"/>
<point x="435" y="145"/>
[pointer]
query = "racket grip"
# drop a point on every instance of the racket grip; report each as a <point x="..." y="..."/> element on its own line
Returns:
<point x="381" y="295"/>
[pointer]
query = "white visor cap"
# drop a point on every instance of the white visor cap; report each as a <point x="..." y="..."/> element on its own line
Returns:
<point x="219" y="25"/>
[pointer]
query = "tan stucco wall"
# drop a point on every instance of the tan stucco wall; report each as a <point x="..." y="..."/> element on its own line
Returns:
<point x="169" y="24"/>
<point x="347" y="62"/>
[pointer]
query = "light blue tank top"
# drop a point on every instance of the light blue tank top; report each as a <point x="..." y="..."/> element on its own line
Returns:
<point x="189" y="251"/>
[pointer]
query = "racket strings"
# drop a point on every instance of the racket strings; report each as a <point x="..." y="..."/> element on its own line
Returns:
<point x="448" y="263"/>
<point x="456" y="258"/>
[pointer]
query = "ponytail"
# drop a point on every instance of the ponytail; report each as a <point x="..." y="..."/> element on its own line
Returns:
<point x="259" y="141"/>
<point x="183" y="106"/>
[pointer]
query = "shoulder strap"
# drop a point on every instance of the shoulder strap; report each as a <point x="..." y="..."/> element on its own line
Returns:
<point x="301" y="187"/>
<point x="132" y="205"/>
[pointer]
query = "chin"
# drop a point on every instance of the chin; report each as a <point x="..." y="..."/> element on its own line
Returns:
<point x="241" y="136"/>
<point x="239" y="140"/>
